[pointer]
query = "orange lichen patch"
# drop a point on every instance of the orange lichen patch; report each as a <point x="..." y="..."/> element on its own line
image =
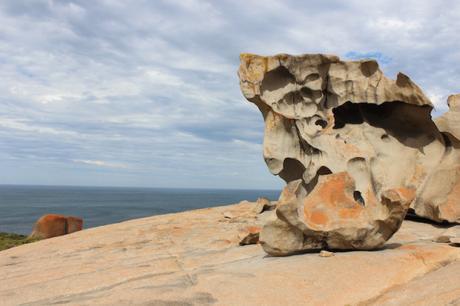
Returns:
<point x="408" y="247"/>
<point x="318" y="217"/>
<point x="406" y="194"/>
<point x="50" y="226"/>
<point x="331" y="203"/>
<point x="331" y="191"/>
<point x="345" y="213"/>
<point x="253" y="229"/>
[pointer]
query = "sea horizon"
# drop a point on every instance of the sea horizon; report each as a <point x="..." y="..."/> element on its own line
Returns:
<point x="135" y="187"/>
<point x="21" y="205"/>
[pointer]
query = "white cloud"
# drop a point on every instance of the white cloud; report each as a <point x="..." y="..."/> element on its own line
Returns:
<point x="101" y="163"/>
<point x="392" y="24"/>
<point x="22" y="126"/>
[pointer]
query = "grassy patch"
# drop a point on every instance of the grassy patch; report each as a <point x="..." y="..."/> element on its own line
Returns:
<point x="9" y="240"/>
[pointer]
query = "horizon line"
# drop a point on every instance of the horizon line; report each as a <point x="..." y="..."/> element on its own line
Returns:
<point x="134" y="187"/>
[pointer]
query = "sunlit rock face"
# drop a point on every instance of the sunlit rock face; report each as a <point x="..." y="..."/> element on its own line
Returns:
<point x="355" y="148"/>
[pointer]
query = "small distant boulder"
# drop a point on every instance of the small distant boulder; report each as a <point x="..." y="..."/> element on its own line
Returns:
<point x="52" y="225"/>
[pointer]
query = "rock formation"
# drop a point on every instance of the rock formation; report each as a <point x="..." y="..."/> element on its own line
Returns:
<point x="51" y="225"/>
<point x="356" y="149"/>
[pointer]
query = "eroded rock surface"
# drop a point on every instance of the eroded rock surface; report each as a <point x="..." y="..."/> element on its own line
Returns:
<point x="356" y="148"/>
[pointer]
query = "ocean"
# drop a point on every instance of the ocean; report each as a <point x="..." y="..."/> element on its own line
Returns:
<point x="21" y="206"/>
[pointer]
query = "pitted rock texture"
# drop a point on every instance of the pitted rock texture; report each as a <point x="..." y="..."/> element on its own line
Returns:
<point x="356" y="148"/>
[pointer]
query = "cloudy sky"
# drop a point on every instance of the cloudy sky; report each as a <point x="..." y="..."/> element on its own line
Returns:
<point x="145" y="93"/>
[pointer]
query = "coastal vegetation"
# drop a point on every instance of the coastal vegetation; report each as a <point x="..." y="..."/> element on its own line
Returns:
<point x="9" y="240"/>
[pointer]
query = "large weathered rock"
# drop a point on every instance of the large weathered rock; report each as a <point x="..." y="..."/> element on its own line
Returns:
<point x="52" y="225"/>
<point x="355" y="147"/>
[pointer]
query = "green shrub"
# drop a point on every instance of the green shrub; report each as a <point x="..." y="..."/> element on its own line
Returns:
<point x="9" y="240"/>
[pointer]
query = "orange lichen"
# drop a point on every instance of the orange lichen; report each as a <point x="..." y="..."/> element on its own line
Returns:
<point x="406" y="194"/>
<point x="345" y="213"/>
<point x="333" y="197"/>
<point x="253" y="229"/>
<point x="318" y="217"/>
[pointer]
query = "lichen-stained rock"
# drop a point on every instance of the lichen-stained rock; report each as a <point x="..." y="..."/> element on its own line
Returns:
<point x="324" y="117"/>
<point x="333" y="217"/>
<point x="52" y="225"/>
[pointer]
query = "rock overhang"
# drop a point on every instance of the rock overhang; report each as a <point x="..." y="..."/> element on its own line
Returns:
<point x="324" y="116"/>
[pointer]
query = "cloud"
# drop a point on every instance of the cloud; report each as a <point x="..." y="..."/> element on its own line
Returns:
<point x="152" y="85"/>
<point x="101" y="163"/>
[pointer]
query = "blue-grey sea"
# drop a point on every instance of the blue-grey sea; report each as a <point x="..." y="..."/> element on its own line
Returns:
<point x="21" y="206"/>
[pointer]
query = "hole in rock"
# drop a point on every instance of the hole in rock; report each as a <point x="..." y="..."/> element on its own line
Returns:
<point x="358" y="197"/>
<point x="312" y="77"/>
<point x="385" y="138"/>
<point x="322" y="123"/>
<point x="409" y="124"/>
<point x="292" y="98"/>
<point x="311" y="94"/>
<point x="323" y="170"/>
<point x="276" y="79"/>
<point x="292" y="170"/>
<point x="368" y="68"/>
<point x="348" y="113"/>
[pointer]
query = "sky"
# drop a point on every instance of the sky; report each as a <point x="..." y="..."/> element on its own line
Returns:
<point x="146" y="94"/>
